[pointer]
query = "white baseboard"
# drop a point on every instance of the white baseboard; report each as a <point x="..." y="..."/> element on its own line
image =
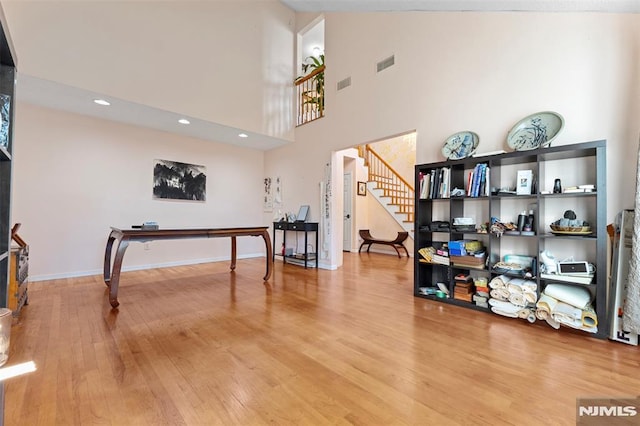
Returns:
<point x="76" y="274"/>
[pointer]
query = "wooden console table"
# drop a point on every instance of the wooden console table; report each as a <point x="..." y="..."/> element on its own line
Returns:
<point x="124" y="236"/>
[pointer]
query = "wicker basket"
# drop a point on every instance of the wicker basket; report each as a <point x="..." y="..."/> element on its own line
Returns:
<point x="559" y="228"/>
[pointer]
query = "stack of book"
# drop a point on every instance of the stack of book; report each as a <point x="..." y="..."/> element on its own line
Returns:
<point x="463" y="288"/>
<point x="441" y="256"/>
<point x="435" y="184"/>
<point x="433" y="255"/>
<point x="481" y="298"/>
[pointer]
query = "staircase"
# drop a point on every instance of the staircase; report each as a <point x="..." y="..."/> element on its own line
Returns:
<point x="389" y="188"/>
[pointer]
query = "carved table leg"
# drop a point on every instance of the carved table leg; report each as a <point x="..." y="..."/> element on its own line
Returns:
<point x="115" y="276"/>
<point x="267" y="243"/>
<point x="107" y="258"/>
<point x="233" y="253"/>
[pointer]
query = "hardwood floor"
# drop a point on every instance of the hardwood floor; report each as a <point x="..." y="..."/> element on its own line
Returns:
<point x="198" y="345"/>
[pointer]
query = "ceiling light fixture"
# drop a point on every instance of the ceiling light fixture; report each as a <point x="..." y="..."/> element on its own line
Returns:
<point x="184" y="121"/>
<point x="243" y="135"/>
<point x="102" y="102"/>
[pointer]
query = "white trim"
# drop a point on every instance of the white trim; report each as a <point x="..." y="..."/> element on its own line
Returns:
<point x="141" y="267"/>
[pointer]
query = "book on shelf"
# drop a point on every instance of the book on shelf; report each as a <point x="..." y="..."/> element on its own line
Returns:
<point x="465" y="297"/>
<point x="576" y="189"/>
<point x="435" y="183"/>
<point x="442" y="260"/>
<point x="477" y="181"/>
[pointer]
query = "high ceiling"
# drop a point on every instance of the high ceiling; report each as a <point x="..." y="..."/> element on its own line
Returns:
<point x="59" y="96"/>
<point x="622" y="6"/>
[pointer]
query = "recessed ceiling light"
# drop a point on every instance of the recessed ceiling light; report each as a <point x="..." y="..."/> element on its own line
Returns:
<point x="184" y="121"/>
<point x="243" y="135"/>
<point x="101" y="102"/>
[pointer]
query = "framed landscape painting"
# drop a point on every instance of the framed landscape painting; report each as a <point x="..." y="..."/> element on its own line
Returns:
<point x="173" y="180"/>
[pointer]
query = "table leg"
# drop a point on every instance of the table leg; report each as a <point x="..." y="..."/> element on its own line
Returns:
<point x="267" y="243"/>
<point x="233" y="253"/>
<point x="107" y="258"/>
<point x="115" y="275"/>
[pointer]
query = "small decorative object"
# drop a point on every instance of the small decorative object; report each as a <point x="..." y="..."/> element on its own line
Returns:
<point x="557" y="186"/>
<point x="460" y="145"/>
<point x="535" y="131"/>
<point x="362" y="188"/>
<point x="525" y="179"/>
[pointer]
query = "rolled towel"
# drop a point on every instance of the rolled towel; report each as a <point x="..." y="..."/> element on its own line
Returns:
<point x="589" y="317"/>
<point x="553" y="323"/>
<point x="545" y="306"/>
<point x="524" y="313"/>
<point x="531" y="298"/>
<point x="565" y="313"/>
<point x="542" y="314"/>
<point x="499" y="282"/>
<point x="500" y="294"/>
<point x="576" y="296"/>
<point x="518" y="299"/>
<point x="577" y="324"/>
<point x="504" y="308"/>
<point x="532" y="317"/>
<point x="521" y="285"/>
<point x="503" y="313"/>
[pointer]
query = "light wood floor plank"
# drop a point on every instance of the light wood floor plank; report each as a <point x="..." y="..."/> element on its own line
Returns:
<point x="198" y="345"/>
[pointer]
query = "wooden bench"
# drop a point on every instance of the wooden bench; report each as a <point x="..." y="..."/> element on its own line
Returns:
<point x="396" y="243"/>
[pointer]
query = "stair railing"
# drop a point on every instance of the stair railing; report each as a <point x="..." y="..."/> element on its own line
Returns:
<point x="394" y="186"/>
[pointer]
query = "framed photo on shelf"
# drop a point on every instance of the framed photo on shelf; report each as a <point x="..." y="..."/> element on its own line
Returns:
<point x="523" y="184"/>
<point x="362" y="188"/>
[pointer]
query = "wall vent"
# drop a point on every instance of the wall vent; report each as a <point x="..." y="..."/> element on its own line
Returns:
<point x="385" y="63"/>
<point x="344" y="83"/>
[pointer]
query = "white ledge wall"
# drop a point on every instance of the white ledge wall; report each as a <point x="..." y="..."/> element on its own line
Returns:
<point x="473" y="71"/>
<point x="75" y="176"/>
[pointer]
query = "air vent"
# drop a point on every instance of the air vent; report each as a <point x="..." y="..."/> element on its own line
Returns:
<point x="344" y="83"/>
<point x="385" y="63"/>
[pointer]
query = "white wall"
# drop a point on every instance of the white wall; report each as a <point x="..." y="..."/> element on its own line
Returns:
<point x="480" y="72"/>
<point x="75" y="176"/>
<point x="229" y="62"/>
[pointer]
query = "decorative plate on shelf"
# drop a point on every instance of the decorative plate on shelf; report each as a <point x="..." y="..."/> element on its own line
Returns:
<point x="460" y="145"/>
<point x="535" y="131"/>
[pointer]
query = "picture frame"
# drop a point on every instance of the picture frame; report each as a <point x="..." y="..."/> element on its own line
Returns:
<point x="523" y="182"/>
<point x="362" y="188"/>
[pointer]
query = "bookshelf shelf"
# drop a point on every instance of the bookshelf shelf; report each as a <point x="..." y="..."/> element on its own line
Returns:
<point x="577" y="164"/>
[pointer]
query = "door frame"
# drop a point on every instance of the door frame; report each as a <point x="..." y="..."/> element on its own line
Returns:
<point x="347" y="209"/>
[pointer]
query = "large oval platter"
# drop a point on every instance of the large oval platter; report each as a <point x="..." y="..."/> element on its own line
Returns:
<point x="535" y="131"/>
<point x="460" y="145"/>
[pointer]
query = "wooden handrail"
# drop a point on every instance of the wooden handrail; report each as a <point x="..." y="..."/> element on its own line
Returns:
<point x="302" y="79"/>
<point x="400" y="192"/>
<point x="375" y="154"/>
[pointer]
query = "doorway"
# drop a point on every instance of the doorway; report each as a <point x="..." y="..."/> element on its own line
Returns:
<point x="369" y="210"/>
